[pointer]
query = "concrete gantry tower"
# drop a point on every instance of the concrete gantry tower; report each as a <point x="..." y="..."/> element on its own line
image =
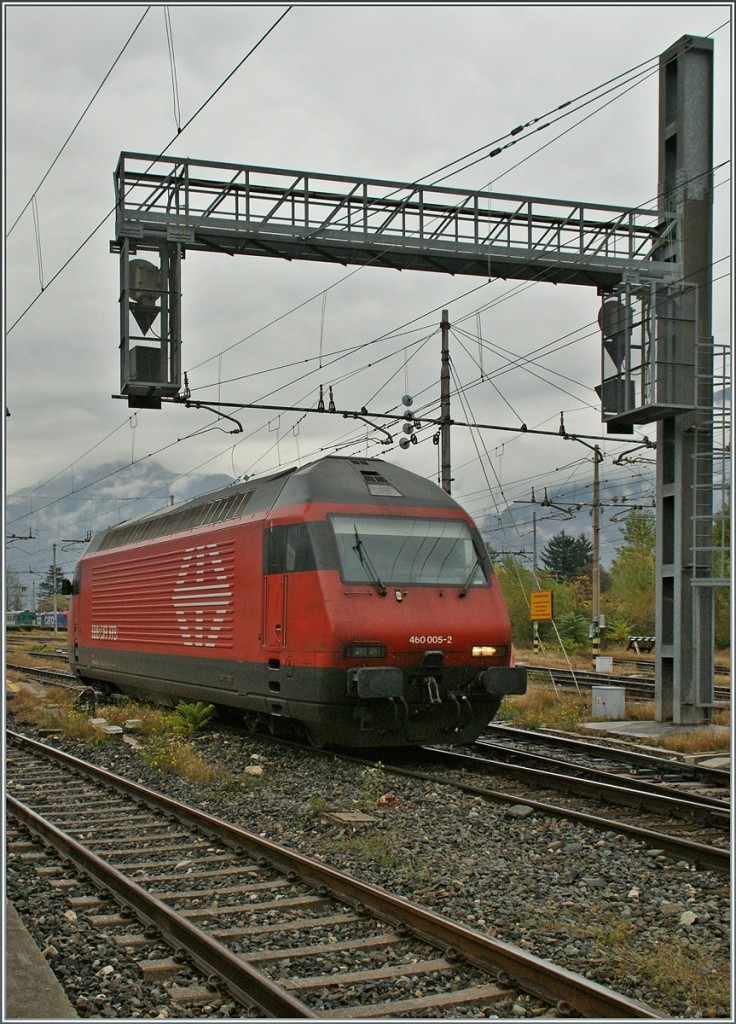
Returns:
<point x="684" y="659"/>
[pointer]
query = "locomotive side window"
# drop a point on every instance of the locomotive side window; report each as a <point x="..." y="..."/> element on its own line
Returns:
<point x="218" y="510"/>
<point x="289" y="548"/>
<point x="439" y="552"/>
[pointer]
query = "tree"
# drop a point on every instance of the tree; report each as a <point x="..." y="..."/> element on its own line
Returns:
<point x="14" y="590"/>
<point x="632" y="593"/>
<point x="516" y="582"/>
<point x="566" y="557"/>
<point x="46" y="586"/>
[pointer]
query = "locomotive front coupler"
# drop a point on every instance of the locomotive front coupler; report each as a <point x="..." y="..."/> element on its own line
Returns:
<point x="432" y="661"/>
<point x="463" y="710"/>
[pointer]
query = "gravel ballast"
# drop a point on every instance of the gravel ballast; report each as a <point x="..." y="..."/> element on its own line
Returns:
<point x="597" y="903"/>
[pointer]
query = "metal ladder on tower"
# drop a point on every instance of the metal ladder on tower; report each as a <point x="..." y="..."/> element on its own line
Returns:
<point x="711" y="486"/>
<point x="711" y="567"/>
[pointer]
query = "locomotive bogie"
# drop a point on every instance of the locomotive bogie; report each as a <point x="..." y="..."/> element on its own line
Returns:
<point x="369" y="619"/>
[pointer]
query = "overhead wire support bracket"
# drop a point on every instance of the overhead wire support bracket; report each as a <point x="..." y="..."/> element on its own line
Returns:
<point x="375" y="426"/>
<point x="366" y="415"/>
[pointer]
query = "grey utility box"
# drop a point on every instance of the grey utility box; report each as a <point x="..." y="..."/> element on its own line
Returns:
<point x="609" y="702"/>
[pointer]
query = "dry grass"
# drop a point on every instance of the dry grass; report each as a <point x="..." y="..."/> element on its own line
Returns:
<point x="675" y="970"/>
<point x="54" y="709"/>
<point x="161" y="745"/>
<point x="381" y="849"/>
<point x="26" y="705"/>
<point x="152" y="720"/>
<point x="694" y="740"/>
<point x="166" y="753"/>
<point x="678" y="973"/>
<point x="543" y="707"/>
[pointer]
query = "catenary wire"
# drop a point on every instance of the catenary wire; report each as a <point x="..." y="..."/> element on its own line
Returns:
<point x="79" y="121"/>
<point x="197" y="112"/>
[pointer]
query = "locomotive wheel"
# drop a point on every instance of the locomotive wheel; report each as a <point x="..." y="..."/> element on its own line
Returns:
<point x="314" y="739"/>
<point x="251" y="720"/>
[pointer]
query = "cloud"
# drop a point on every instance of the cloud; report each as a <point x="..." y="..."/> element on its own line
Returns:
<point x="391" y="91"/>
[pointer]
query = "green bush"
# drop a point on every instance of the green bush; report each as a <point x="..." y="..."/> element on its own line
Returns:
<point x="618" y="632"/>
<point x="573" y="630"/>
<point x="189" y="718"/>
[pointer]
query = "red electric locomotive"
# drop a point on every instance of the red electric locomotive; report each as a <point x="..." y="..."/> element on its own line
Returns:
<point x="350" y="598"/>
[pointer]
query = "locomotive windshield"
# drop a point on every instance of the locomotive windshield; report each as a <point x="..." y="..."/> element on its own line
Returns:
<point x="407" y="551"/>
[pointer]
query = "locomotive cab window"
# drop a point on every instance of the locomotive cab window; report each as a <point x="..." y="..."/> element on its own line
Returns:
<point x="438" y="552"/>
<point x="288" y="548"/>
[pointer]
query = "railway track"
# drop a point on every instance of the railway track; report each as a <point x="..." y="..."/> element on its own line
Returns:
<point x="47" y="674"/>
<point x="682" y="838"/>
<point x="622" y="787"/>
<point x="50" y="676"/>
<point x="684" y="825"/>
<point x="647" y="665"/>
<point x="49" y="655"/>
<point x="286" y="935"/>
<point x="665" y="768"/>
<point x="636" y="687"/>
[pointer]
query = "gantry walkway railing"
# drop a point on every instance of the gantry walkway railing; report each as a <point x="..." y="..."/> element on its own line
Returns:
<point x="298" y="215"/>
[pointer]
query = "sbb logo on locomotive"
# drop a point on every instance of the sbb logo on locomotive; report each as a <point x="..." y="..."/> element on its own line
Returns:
<point x="171" y="597"/>
<point x="202" y="596"/>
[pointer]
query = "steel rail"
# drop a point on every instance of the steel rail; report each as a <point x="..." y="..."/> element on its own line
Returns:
<point x="620" y="794"/>
<point x="701" y="804"/>
<point x="712" y="857"/>
<point x="249" y="986"/>
<point x="648" y="665"/>
<point x="637" y="758"/>
<point x="635" y="686"/>
<point x="51" y="673"/>
<point x="537" y="976"/>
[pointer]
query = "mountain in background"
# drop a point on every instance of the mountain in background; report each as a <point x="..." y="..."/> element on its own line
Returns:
<point x="68" y="511"/>
<point x="71" y="509"/>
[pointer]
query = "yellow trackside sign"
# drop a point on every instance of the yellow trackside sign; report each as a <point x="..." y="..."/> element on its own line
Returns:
<point x="540" y="605"/>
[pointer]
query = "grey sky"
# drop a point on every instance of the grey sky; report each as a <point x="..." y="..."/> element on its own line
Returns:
<point x="386" y="91"/>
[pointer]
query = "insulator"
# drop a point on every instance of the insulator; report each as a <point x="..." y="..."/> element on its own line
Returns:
<point x="404" y="442"/>
<point x="408" y="428"/>
<point x="407" y="400"/>
<point x="321" y="403"/>
<point x="408" y="415"/>
<point x="331" y="406"/>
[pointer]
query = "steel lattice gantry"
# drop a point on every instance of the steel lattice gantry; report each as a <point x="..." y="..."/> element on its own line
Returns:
<point x="655" y="317"/>
<point x="298" y="215"/>
<point x="167" y="206"/>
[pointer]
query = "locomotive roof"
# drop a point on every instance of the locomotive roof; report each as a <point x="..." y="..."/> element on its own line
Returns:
<point x="332" y="479"/>
<point x="342" y="479"/>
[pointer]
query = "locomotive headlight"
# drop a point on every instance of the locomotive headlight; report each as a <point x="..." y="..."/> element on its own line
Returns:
<point x="365" y="651"/>
<point x="489" y="652"/>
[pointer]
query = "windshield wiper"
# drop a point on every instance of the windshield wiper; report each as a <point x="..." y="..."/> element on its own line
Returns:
<point x="366" y="562"/>
<point x="469" y="580"/>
